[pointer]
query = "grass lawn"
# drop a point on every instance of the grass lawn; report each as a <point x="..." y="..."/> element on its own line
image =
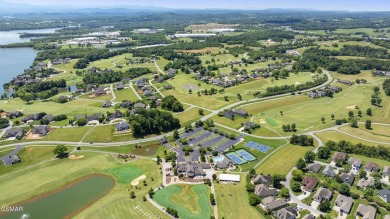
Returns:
<point x="125" y="94"/>
<point x="190" y="201"/>
<point x="116" y="203"/>
<point x="102" y="133"/>
<point x="29" y="155"/>
<point x="190" y="116"/>
<point x="378" y="133"/>
<point x="123" y="149"/>
<point x="283" y="160"/>
<point x="68" y="73"/>
<point x="338" y="136"/>
<point x="365" y="159"/>
<point x="103" y="97"/>
<point x="73" y="134"/>
<point x="233" y="202"/>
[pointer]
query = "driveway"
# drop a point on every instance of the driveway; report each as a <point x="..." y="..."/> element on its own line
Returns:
<point x="314" y="204"/>
<point x="303" y="195"/>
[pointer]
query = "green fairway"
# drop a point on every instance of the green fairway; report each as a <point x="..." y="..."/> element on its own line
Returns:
<point x="73" y="134"/>
<point x="278" y="163"/>
<point x="45" y="177"/>
<point x="62" y="202"/>
<point x="233" y="201"/>
<point x="125" y="94"/>
<point x="190" y="201"/>
<point x="378" y="133"/>
<point x="338" y="136"/>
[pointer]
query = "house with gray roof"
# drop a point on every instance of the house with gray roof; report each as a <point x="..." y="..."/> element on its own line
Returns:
<point x="328" y="172"/>
<point x="261" y="179"/>
<point x="271" y="204"/>
<point x="41" y="130"/>
<point x="386" y="172"/>
<point x="364" y="183"/>
<point x="263" y="191"/>
<point x="116" y="115"/>
<point x="122" y="126"/>
<point x="322" y="194"/>
<point x="100" y="91"/>
<point x="384" y="194"/>
<point x="343" y="203"/>
<point x="309" y="216"/>
<point x="286" y="213"/>
<point x="240" y="112"/>
<point x="339" y="156"/>
<point x="107" y="104"/>
<point x="224" y="164"/>
<point x="48" y="117"/>
<point x="314" y="167"/>
<point x="366" y="211"/>
<point x="16" y="133"/>
<point x="355" y="163"/>
<point x="14" y="114"/>
<point x="371" y="167"/>
<point x="347" y="178"/>
<point x="191" y="169"/>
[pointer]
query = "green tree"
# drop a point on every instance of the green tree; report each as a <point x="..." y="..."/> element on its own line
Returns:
<point x="276" y="179"/>
<point x="344" y="189"/>
<point x="324" y="206"/>
<point x="176" y="134"/>
<point x="369" y="112"/>
<point x="309" y="156"/>
<point x="239" y="97"/>
<point x="368" y="124"/>
<point x="60" y="150"/>
<point x="301" y="164"/>
<point x="296" y="187"/>
<point x="201" y="112"/>
<point x="81" y="121"/>
<point x="362" y="174"/>
<point x="353" y="123"/>
<point x="297" y="175"/>
<point x="284" y="192"/>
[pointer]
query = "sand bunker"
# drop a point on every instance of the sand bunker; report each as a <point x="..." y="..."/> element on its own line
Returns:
<point x="351" y="107"/>
<point x="74" y="157"/>
<point x="136" y="181"/>
<point x="262" y="121"/>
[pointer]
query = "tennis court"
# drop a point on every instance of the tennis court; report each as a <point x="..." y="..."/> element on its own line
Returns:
<point x="237" y="159"/>
<point x="257" y="146"/>
<point x="246" y="155"/>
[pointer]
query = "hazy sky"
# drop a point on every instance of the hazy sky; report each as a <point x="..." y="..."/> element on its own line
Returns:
<point x="353" y="5"/>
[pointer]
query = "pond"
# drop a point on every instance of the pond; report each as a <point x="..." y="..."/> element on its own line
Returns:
<point x="66" y="201"/>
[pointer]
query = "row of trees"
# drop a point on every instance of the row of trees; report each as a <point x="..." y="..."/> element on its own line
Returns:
<point x="172" y="104"/>
<point x="386" y="87"/>
<point x="302" y="140"/>
<point x="379" y="152"/>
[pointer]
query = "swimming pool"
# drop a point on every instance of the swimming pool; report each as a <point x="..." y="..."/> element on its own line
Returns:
<point x="219" y="158"/>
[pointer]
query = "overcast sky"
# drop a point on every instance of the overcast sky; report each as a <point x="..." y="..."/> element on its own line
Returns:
<point x="353" y="5"/>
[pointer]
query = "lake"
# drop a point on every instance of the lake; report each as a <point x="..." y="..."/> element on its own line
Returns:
<point x="67" y="201"/>
<point x="13" y="61"/>
<point x="8" y="37"/>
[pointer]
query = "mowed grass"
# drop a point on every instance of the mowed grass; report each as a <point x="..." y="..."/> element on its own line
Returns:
<point x="54" y="174"/>
<point x="125" y="94"/>
<point x="190" y="116"/>
<point x="283" y="160"/>
<point x="100" y="134"/>
<point x="190" y="201"/>
<point x="338" y="136"/>
<point x="73" y="134"/>
<point x="72" y="108"/>
<point x="68" y="73"/>
<point x="232" y="200"/>
<point x="379" y="133"/>
<point x="29" y="155"/>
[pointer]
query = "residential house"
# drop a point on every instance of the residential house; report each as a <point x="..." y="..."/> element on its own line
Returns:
<point x="263" y="191"/>
<point x="122" y="126"/>
<point x="48" y="117"/>
<point x="366" y="211"/>
<point x="322" y="194"/>
<point x="328" y="172"/>
<point x="314" y="167"/>
<point x="107" y="104"/>
<point x="271" y="204"/>
<point x="41" y="130"/>
<point x="168" y="87"/>
<point x="343" y="204"/>
<point x="309" y="216"/>
<point x="286" y="213"/>
<point x="339" y="156"/>
<point x="224" y="164"/>
<point x="100" y="91"/>
<point x="309" y="183"/>
<point x="139" y="105"/>
<point x="11" y="160"/>
<point x="191" y="169"/>
<point x="33" y="117"/>
<point x="386" y="173"/>
<point x="384" y="194"/>
<point x="14" y="114"/>
<point x="116" y="115"/>
<point x="163" y="140"/>
<point x="228" y="114"/>
<point x="239" y="112"/>
<point x="333" y="89"/>
<point x="148" y="93"/>
<point x="364" y="183"/>
<point x="249" y="125"/>
<point x="94" y="117"/>
<point x="141" y="84"/>
<point x="261" y="179"/>
<point x="120" y="86"/>
<point x="126" y="104"/>
<point x="347" y="82"/>
<point x="356" y="163"/>
<point x="16" y="133"/>
<point x="371" y="167"/>
<point x="347" y="178"/>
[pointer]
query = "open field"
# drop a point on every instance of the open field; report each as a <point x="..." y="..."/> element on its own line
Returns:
<point x="368" y="31"/>
<point x="72" y="108"/>
<point x="338" y="136"/>
<point x="124" y="149"/>
<point x="68" y="73"/>
<point x="190" y="201"/>
<point x="233" y="201"/>
<point x="282" y="161"/>
<point x="125" y="94"/>
<point x="100" y="134"/>
<point x="378" y="133"/>
<point x="190" y="116"/>
<point x="73" y="134"/>
<point x="117" y="203"/>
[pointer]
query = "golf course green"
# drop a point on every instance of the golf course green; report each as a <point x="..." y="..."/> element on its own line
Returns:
<point x="190" y="201"/>
<point x="66" y="201"/>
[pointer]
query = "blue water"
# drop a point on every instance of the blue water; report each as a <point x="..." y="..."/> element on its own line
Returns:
<point x="219" y="158"/>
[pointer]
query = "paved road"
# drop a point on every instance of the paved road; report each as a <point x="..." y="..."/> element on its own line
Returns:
<point x="136" y="93"/>
<point x="2" y="131"/>
<point x="112" y="92"/>
<point x="157" y="90"/>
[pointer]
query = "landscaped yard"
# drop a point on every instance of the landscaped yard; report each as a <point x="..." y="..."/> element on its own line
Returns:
<point x="233" y="201"/>
<point x="283" y="160"/>
<point x="190" y="201"/>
